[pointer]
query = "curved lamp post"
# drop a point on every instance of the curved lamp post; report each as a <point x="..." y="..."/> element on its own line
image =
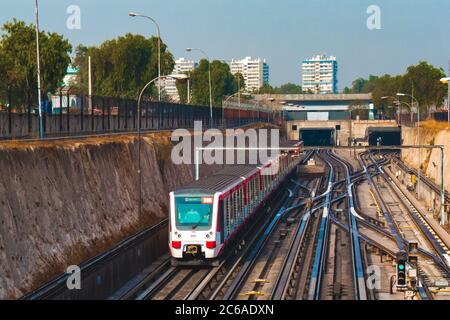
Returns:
<point x="173" y="76"/>
<point x="209" y="80"/>
<point x="397" y="99"/>
<point x="133" y="14"/>
<point x="239" y="105"/>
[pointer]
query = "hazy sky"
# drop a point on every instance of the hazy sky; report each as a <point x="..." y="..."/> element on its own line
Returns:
<point x="282" y="31"/>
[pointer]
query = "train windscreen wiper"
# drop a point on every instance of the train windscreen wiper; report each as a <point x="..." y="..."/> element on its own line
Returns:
<point x="198" y="223"/>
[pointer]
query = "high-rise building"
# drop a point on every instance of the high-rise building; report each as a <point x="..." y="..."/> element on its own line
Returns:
<point x="320" y="74"/>
<point x="254" y="71"/>
<point x="182" y="65"/>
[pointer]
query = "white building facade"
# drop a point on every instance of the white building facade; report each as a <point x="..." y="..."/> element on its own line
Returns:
<point x="254" y="71"/>
<point x="182" y="65"/>
<point x="320" y="75"/>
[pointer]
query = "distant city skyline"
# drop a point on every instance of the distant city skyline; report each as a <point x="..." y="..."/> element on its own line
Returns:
<point x="284" y="33"/>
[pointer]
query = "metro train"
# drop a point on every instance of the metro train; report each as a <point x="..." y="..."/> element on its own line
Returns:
<point x="207" y="214"/>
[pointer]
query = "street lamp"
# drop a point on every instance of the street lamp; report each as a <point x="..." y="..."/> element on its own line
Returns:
<point x="180" y="76"/>
<point x="239" y="105"/>
<point x="209" y="79"/>
<point x="399" y="105"/>
<point x="399" y="94"/>
<point x="41" y="124"/>
<point x="447" y="81"/>
<point x="133" y="14"/>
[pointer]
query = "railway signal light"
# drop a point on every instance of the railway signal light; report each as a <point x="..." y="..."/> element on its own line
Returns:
<point x="402" y="259"/>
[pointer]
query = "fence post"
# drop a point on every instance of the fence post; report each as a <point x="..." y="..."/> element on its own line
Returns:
<point x="9" y="111"/>
<point x="60" y="111"/>
<point x="108" y="106"/>
<point x="82" y="113"/>
<point x="146" y="114"/>
<point x="92" y="114"/>
<point x="44" y="117"/>
<point x="68" y="110"/>
<point x="153" y="115"/>
<point x="126" y="113"/>
<point x="134" y="115"/>
<point x="118" y="102"/>
<point x="29" y="116"/>
<point x="103" y="114"/>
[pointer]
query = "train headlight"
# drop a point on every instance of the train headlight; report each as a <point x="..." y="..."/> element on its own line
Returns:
<point x="179" y="236"/>
<point x="207" y="236"/>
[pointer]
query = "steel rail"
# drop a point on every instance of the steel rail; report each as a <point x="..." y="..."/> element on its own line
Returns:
<point x="358" y="269"/>
<point x="58" y="285"/>
<point x="428" y="231"/>
<point x="322" y="241"/>
<point x="423" y="291"/>
<point x="382" y="205"/>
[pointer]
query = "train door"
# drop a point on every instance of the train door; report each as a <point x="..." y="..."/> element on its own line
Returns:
<point x="235" y="209"/>
<point x="241" y="204"/>
<point x="221" y="227"/>
<point x="227" y="229"/>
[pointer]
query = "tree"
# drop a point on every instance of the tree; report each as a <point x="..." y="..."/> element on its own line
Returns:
<point x="424" y="79"/>
<point x="18" y="56"/>
<point x="222" y="80"/>
<point x="384" y="86"/>
<point x="240" y="81"/>
<point x="287" y="88"/>
<point x="121" y="67"/>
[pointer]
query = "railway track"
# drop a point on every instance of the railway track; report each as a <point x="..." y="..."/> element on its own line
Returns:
<point x="404" y="221"/>
<point x="305" y="273"/>
<point x="284" y="288"/>
<point x="357" y="253"/>
<point x="57" y="288"/>
<point x="319" y="261"/>
<point x="222" y="281"/>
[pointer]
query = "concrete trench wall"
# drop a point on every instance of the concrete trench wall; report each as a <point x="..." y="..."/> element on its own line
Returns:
<point x="428" y="195"/>
<point x="428" y="156"/>
<point x="61" y="203"/>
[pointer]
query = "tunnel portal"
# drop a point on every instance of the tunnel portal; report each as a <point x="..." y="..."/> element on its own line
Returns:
<point x="315" y="137"/>
<point x="389" y="136"/>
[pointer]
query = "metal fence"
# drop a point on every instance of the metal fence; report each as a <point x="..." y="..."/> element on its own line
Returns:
<point x="70" y="115"/>
<point x="441" y="116"/>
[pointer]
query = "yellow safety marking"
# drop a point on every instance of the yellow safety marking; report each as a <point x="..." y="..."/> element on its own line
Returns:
<point x="408" y="227"/>
<point x="261" y="281"/>
<point x="440" y="290"/>
<point x="373" y="197"/>
<point x="253" y="293"/>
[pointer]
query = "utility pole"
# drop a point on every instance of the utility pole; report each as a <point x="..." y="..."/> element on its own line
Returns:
<point x="418" y="139"/>
<point x="41" y="124"/>
<point x="448" y="94"/>
<point x="189" y="89"/>
<point x="90" y="83"/>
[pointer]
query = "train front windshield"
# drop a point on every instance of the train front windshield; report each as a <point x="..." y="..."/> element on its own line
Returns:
<point x="193" y="212"/>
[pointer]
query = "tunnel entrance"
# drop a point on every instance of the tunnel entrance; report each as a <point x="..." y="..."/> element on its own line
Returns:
<point x="391" y="136"/>
<point x="315" y="137"/>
